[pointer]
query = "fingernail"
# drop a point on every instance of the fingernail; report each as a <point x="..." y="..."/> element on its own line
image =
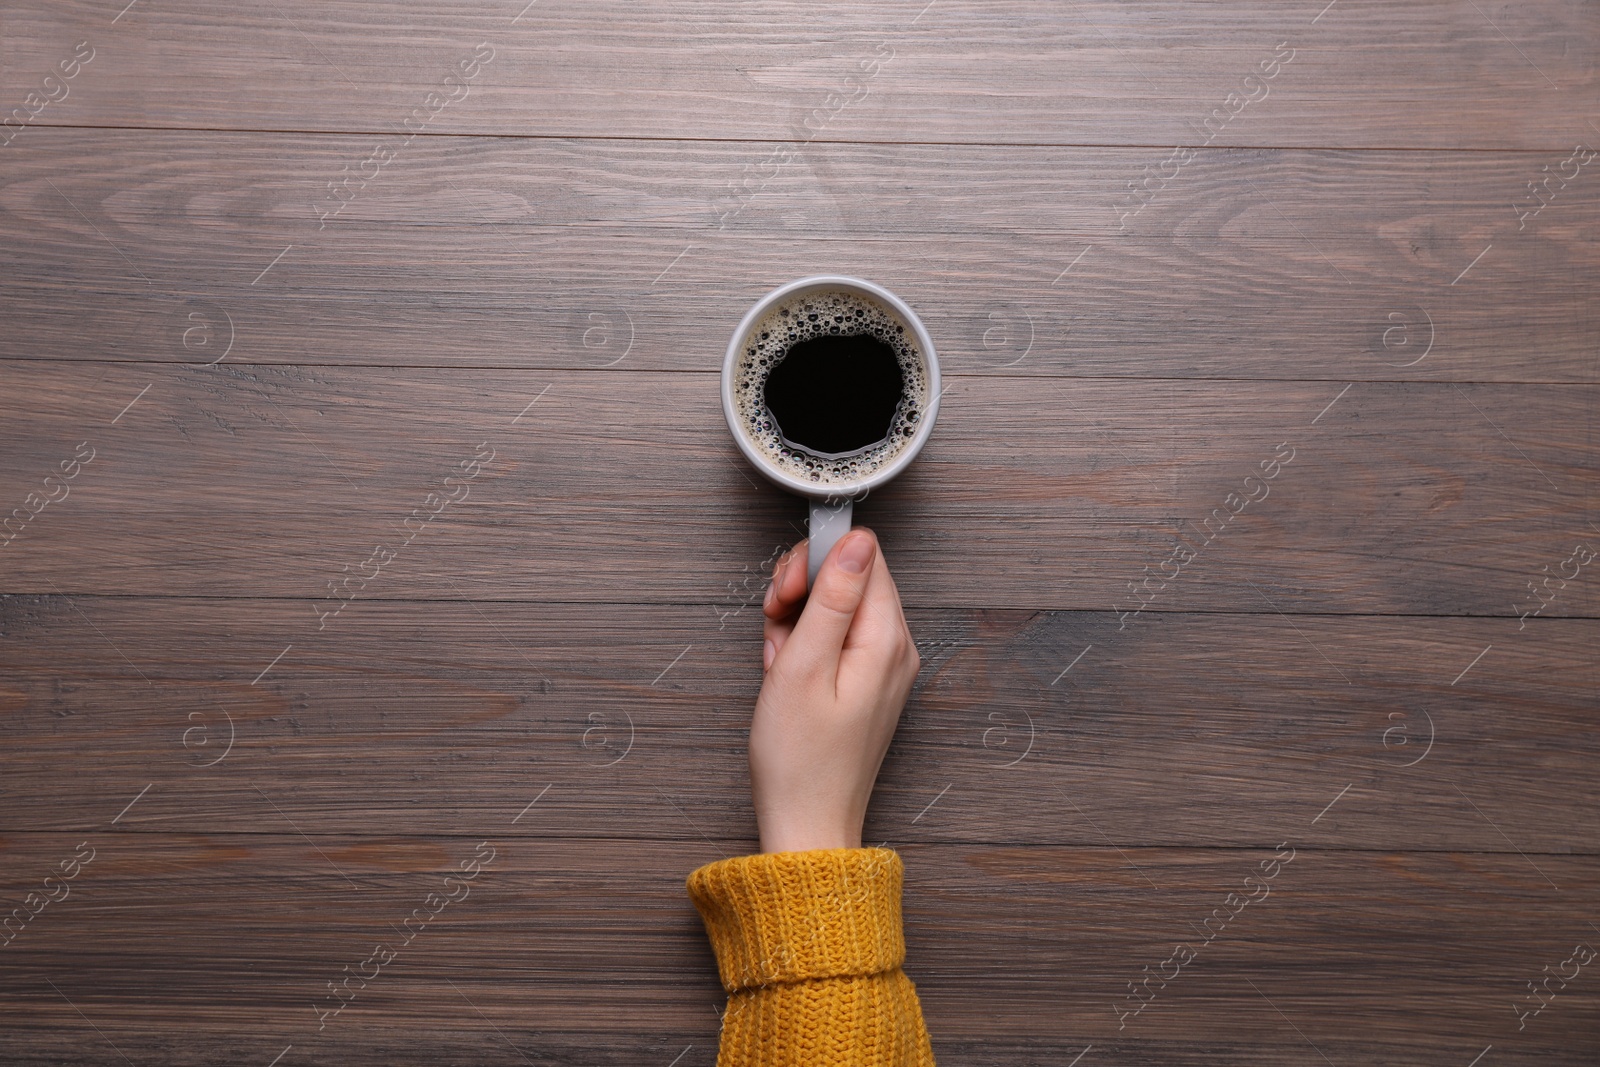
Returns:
<point x="772" y="588"/>
<point x="767" y="654"/>
<point x="856" y="553"/>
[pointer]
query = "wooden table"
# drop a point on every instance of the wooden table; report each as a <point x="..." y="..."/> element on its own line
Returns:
<point x="376" y="520"/>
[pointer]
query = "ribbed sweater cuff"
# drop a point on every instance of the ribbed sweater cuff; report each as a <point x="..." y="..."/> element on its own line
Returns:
<point x="789" y="916"/>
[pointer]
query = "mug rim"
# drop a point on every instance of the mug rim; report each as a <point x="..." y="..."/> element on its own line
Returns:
<point x="831" y="490"/>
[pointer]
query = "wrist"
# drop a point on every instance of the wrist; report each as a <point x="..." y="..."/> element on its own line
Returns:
<point x="802" y="837"/>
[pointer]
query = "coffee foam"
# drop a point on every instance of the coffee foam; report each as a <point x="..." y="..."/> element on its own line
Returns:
<point x="818" y="314"/>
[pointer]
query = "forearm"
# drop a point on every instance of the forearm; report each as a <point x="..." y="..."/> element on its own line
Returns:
<point x="810" y="949"/>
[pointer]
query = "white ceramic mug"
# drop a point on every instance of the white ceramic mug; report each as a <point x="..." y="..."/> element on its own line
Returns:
<point x="830" y="502"/>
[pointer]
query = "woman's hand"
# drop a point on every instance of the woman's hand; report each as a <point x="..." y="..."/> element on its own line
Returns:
<point x="837" y="676"/>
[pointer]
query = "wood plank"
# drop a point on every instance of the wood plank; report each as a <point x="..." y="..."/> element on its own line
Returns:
<point x="224" y="184"/>
<point x="1396" y="498"/>
<point x="1107" y="73"/>
<point x="241" y="933"/>
<point x="405" y="717"/>
<point x="584" y="254"/>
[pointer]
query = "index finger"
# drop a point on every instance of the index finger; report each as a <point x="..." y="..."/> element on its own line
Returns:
<point x="788" y="583"/>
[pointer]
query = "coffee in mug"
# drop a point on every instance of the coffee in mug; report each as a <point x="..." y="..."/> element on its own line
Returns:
<point x="830" y="386"/>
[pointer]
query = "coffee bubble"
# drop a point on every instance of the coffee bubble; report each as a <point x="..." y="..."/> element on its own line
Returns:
<point x="818" y="314"/>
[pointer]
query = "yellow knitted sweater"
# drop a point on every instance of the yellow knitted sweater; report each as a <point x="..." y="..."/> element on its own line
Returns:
<point x="809" y="947"/>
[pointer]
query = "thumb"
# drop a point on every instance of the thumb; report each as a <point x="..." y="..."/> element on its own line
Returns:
<point x="831" y="605"/>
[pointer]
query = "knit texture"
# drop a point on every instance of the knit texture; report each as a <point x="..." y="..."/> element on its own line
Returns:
<point x="809" y="947"/>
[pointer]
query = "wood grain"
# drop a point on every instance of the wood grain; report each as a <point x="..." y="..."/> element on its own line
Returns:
<point x="1397" y="498"/>
<point x="1108" y="73"/>
<point x="549" y="938"/>
<point x="600" y="254"/>
<point x="448" y="717"/>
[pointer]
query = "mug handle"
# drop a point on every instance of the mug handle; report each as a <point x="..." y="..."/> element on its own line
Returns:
<point x="830" y="520"/>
